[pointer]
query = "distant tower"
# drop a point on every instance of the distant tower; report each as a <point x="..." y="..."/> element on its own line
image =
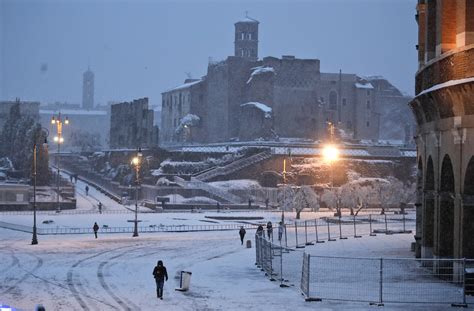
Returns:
<point x="88" y="90"/>
<point x="246" y="38"/>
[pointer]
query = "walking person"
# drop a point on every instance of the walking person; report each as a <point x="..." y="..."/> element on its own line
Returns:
<point x="161" y="275"/>
<point x="242" y="235"/>
<point x="87" y="190"/>
<point x="280" y="231"/>
<point x="259" y="231"/>
<point x="96" y="229"/>
<point x="100" y="207"/>
<point x="269" y="230"/>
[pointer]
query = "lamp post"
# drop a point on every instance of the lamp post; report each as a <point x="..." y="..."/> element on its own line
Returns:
<point x="136" y="161"/>
<point x="34" y="240"/>
<point x="58" y="121"/>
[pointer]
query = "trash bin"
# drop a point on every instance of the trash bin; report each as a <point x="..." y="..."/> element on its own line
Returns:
<point x="249" y="244"/>
<point x="469" y="281"/>
<point x="184" y="281"/>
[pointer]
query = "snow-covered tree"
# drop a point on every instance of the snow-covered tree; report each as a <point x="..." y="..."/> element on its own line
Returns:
<point x="285" y="197"/>
<point x="305" y="197"/>
<point x="332" y="198"/>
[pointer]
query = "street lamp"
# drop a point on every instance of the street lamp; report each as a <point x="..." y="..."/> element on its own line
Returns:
<point x="58" y="121"/>
<point x="136" y="161"/>
<point x="34" y="241"/>
<point x="330" y="154"/>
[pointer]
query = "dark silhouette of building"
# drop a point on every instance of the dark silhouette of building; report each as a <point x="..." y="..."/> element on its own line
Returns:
<point x="131" y="125"/>
<point x="88" y="90"/>
<point x="444" y="112"/>
<point x="244" y="98"/>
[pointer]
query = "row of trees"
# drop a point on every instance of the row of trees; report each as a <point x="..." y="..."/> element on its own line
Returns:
<point x="19" y="135"/>
<point x="355" y="196"/>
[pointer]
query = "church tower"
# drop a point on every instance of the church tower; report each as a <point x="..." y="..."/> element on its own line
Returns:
<point x="88" y="90"/>
<point x="246" y="38"/>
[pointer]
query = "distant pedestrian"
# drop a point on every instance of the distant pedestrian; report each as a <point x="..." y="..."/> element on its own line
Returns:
<point x="280" y="231"/>
<point x="100" y="207"/>
<point x="70" y="178"/>
<point x="75" y="178"/>
<point x="242" y="235"/>
<point x="218" y="207"/>
<point x="87" y="190"/>
<point x="259" y="231"/>
<point x="250" y="203"/>
<point x="269" y="229"/>
<point x="95" y="228"/>
<point x="267" y="203"/>
<point x="161" y="275"/>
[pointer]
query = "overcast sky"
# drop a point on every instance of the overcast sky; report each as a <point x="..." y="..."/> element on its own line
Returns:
<point x="140" y="48"/>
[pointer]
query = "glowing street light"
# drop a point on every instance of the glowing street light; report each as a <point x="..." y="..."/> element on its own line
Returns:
<point x="58" y="121"/>
<point x="136" y="163"/>
<point x="330" y="153"/>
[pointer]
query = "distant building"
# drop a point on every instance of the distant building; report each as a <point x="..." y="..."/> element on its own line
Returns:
<point x="26" y="108"/>
<point x="243" y="98"/>
<point x="88" y="90"/>
<point x="131" y="125"/>
<point x="444" y="112"/>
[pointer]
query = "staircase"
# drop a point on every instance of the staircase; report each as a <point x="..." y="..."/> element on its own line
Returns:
<point x="234" y="166"/>
<point x="194" y="183"/>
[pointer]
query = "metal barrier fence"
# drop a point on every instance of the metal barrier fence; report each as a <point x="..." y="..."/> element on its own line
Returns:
<point x="308" y="232"/>
<point x="278" y="262"/>
<point x="388" y="280"/>
<point x="141" y="229"/>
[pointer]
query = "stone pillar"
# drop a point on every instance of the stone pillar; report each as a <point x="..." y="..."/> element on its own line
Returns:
<point x="421" y="19"/>
<point x="430" y="30"/>
<point x="464" y="22"/>
<point x="445" y="26"/>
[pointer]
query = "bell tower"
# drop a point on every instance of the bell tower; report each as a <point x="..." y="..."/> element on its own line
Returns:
<point x="246" y="38"/>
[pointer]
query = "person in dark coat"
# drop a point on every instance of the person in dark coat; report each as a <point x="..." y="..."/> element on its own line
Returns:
<point x="87" y="190"/>
<point x="100" y="207"/>
<point x="95" y="228"/>
<point x="161" y="275"/>
<point x="259" y="230"/>
<point x="242" y="235"/>
<point x="269" y="229"/>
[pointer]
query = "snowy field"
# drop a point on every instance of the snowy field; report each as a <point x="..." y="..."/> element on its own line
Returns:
<point x="114" y="272"/>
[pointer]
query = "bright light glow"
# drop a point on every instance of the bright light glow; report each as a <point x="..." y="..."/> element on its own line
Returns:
<point x="56" y="138"/>
<point x="66" y="121"/>
<point x="61" y="140"/>
<point x="330" y="153"/>
<point x="135" y="161"/>
<point x="53" y="121"/>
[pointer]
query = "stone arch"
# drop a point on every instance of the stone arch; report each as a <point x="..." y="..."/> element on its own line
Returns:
<point x="446" y="209"/>
<point x="468" y="212"/>
<point x="419" y="176"/>
<point x="428" y="209"/>
<point x="429" y="179"/>
<point x="333" y="100"/>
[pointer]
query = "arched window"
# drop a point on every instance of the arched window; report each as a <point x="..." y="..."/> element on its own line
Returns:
<point x="333" y="100"/>
<point x="446" y="210"/>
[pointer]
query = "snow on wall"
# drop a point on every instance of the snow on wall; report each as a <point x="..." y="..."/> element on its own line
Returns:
<point x="364" y="86"/>
<point x="259" y="70"/>
<point x="446" y="84"/>
<point x="267" y="110"/>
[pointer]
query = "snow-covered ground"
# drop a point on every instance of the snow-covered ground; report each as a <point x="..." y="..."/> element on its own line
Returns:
<point x="114" y="272"/>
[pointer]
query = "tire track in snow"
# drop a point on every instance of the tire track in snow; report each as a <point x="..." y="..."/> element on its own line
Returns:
<point x="100" y="275"/>
<point x="27" y="273"/>
<point x="73" y="286"/>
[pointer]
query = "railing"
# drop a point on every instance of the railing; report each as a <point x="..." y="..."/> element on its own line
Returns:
<point x="141" y="229"/>
<point x="234" y="166"/>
